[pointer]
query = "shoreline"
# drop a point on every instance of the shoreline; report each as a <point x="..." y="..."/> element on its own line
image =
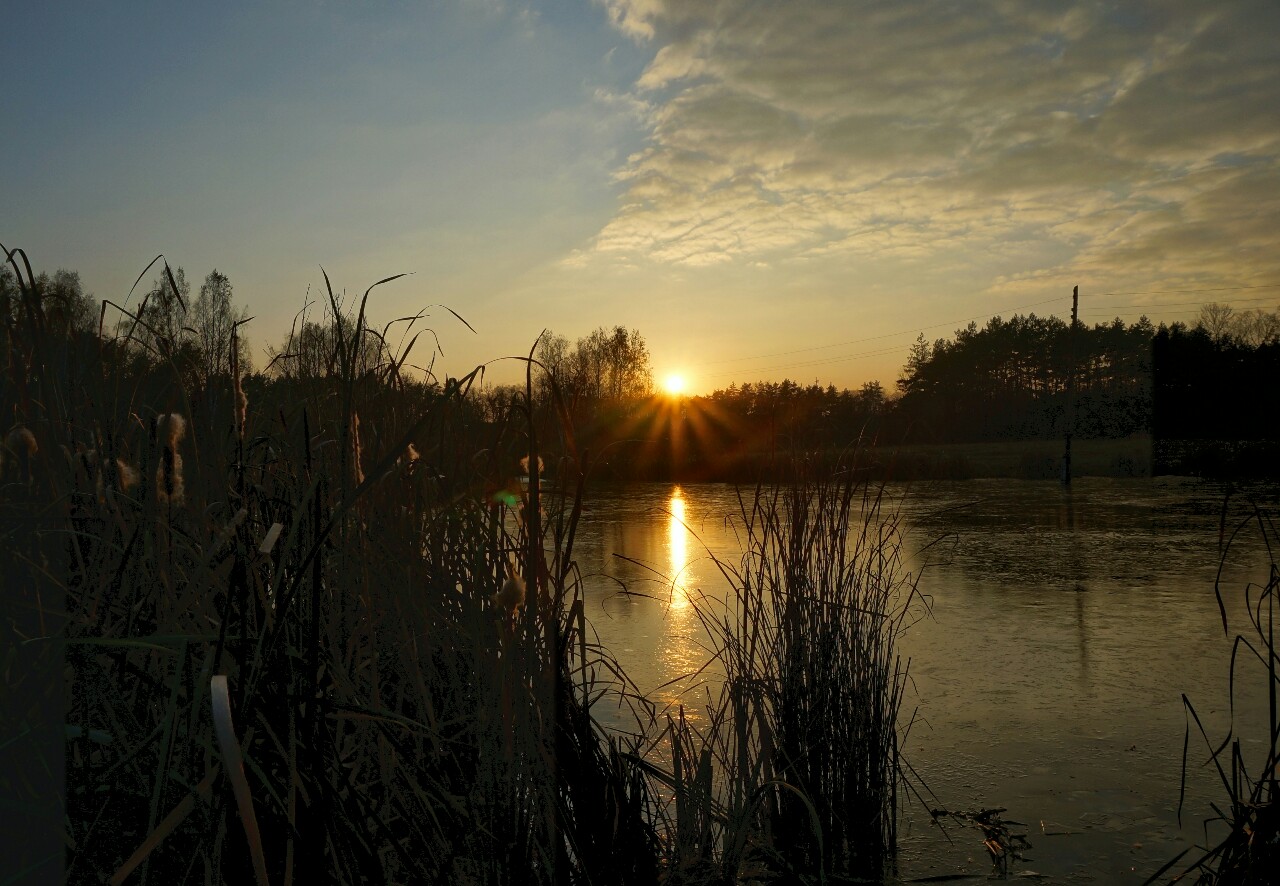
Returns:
<point x="1130" y="457"/>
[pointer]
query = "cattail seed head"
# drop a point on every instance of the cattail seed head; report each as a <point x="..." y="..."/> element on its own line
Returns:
<point x="170" y="429"/>
<point x="169" y="484"/>
<point x="524" y="465"/>
<point x="242" y="401"/>
<point x="242" y="409"/>
<point x="20" y="447"/>
<point x="21" y="442"/>
<point x="511" y="595"/>
<point x="355" y="447"/>
<point x="127" y="475"/>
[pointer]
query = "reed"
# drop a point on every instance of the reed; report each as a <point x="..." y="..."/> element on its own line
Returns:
<point x="795" y="768"/>
<point x="283" y="660"/>
<point x="1245" y="848"/>
<point x="314" y="628"/>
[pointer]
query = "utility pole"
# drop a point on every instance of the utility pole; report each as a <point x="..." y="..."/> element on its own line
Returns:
<point x="1071" y="385"/>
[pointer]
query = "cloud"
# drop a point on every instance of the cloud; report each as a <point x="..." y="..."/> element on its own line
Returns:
<point x="1123" y="135"/>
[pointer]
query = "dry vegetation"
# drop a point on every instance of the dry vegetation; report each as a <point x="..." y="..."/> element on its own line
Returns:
<point x="318" y="631"/>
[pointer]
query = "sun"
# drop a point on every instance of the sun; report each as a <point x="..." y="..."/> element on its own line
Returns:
<point x="673" y="384"/>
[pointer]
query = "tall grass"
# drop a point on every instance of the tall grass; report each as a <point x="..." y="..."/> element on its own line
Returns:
<point x="278" y="636"/>
<point x="383" y="719"/>
<point x="1245" y="846"/>
<point x="794" y="770"/>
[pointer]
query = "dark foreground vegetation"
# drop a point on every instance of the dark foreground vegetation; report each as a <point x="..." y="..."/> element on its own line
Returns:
<point x="311" y="626"/>
<point x="1242" y="838"/>
<point x="315" y="624"/>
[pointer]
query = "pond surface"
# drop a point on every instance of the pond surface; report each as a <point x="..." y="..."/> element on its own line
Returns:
<point x="1047" y="675"/>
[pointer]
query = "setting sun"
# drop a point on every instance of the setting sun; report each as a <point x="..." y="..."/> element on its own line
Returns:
<point x="673" y="384"/>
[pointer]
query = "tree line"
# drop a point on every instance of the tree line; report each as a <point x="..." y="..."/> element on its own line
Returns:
<point x="1027" y="377"/>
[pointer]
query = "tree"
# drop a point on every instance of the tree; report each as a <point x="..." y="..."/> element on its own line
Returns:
<point x="1256" y="328"/>
<point x="871" y="396"/>
<point x="311" y="350"/>
<point x="917" y="358"/>
<point x="9" y="294"/>
<point x="606" y="365"/>
<point x="163" y="315"/>
<point x="67" y="307"/>
<point x="625" y="369"/>
<point x="553" y="352"/>
<point x="213" y="318"/>
<point x="63" y="301"/>
<point x="1217" y="320"/>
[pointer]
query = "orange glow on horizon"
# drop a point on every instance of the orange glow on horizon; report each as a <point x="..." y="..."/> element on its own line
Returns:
<point x="674" y="384"/>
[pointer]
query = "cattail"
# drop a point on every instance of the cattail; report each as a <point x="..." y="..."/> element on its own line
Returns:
<point x="117" y="473"/>
<point x="170" y="428"/>
<point x="127" y="475"/>
<point x="524" y="465"/>
<point x="21" y="441"/>
<point x="355" y="447"/>
<point x="511" y="595"/>
<point x="87" y="461"/>
<point x="21" y="448"/>
<point x="242" y="401"/>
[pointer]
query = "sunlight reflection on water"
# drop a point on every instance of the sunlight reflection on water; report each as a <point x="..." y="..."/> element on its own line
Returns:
<point x="1065" y="627"/>
<point x="681" y="654"/>
<point x="678" y="552"/>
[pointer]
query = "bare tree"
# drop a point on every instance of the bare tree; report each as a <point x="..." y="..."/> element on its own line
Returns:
<point x="1256" y="328"/>
<point x="604" y="365"/>
<point x="213" y="318"/>
<point x="553" y="352"/>
<point x="66" y="305"/>
<point x="311" y="351"/>
<point x="1217" y="320"/>
<point x="163" y="315"/>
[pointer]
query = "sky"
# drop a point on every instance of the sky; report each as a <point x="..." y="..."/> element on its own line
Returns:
<point x="763" y="189"/>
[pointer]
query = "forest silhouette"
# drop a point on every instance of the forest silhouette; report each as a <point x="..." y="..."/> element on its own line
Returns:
<point x="1196" y="390"/>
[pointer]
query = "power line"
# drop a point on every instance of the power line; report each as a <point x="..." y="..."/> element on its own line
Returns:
<point x="1183" y="304"/>
<point x="919" y="329"/>
<point x="1174" y="291"/>
<point x="790" y="366"/>
<point x="1168" y="314"/>
<point x="858" y="341"/>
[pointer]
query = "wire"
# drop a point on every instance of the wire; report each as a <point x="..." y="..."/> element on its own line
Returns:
<point x="858" y="341"/>
<point x="1173" y="291"/>
<point x="1183" y="304"/>
<point x="1096" y="312"/>
<point x="823" y="362"/>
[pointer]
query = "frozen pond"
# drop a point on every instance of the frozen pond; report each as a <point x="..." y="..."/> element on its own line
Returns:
<point x="1066" y="625"/>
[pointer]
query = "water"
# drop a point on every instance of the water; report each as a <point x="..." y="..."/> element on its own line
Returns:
<point x="1065" y="626"/>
